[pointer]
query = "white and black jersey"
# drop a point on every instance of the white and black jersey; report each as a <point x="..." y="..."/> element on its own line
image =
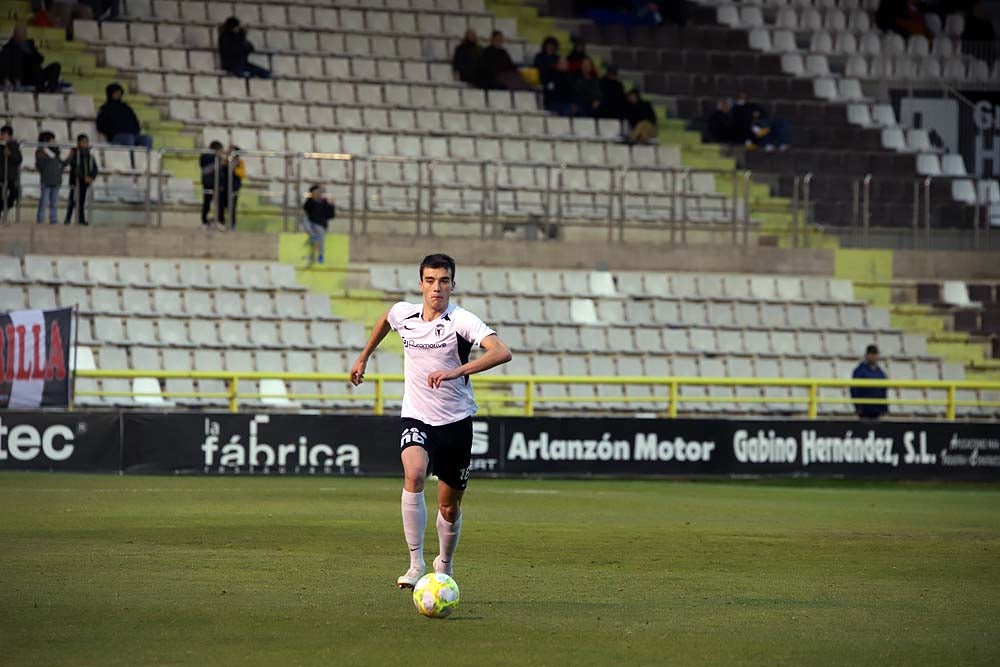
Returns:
<point x="439" y="345"/>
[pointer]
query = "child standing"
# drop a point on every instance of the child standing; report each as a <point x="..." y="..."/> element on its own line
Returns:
<point x="50" y="169"/>
<point x="82" y="172"/>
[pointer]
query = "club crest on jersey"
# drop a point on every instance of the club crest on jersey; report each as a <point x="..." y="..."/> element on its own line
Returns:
<point x="439" y="330"/>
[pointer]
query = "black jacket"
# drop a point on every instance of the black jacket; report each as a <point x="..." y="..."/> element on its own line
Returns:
<point x="743" y="120"/>
<point x="20" y="64"/>
<point x="640" y="111"/>
<point x="560" y="89"/>
<point x="545" y="63"/>
<point x="10" y="162"/>
<point x="465" y="61"/>
<point x="319" y="211"/>
<point x="494" y="62"/>
<point x="234" y="49"/>
<point x="116" y="117"/>
<point x="720" y="127"/>
<point x="209" y="163"/>
<point x="81" y="165"/>
<point x="613" y="96"/>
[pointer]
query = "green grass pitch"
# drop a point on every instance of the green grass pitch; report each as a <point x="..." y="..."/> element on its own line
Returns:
<point x="108" y="570"/>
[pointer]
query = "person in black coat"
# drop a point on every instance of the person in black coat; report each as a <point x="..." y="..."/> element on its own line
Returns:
<point x="612" y="94"/>
<point x="117" y="121"/>
<point x="83" y="171"/>
<point x="641" y="118"/>
<point x="560" y="90"/>
<point x="546" y="59"/>
<point x="720" y="124"/>
<point x="319" y="212"/>
<point x="21" y="64"/>
<point x="235" y="50"/>
<point x="10" y="169"/>
<point x="466" y="58"/>
<point x="214" y="181"/>
<point x="497" y="70"/>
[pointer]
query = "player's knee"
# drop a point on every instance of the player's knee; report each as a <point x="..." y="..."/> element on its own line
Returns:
<point x="413" y="481"/>
<point x="449" y="511"/>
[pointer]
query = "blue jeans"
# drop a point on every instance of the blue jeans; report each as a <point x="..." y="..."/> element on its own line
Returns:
<point x="126" y="139"/>
<point x="48" y="198"/>
<point x="778" y="136"/>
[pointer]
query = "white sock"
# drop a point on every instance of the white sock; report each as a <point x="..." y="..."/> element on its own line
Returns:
<point x="414" y="510"/>
<point x="448" y="534"/>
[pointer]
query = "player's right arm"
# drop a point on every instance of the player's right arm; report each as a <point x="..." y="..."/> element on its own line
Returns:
<point x="379" y="332"/>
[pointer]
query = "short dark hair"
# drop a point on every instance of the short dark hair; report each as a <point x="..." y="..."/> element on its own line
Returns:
<point x="7" y="129"/>
<point x="45" y="136"/>
<point x="496" y="33"/>
<point x="871" y="349"/>
<point x="314" y="188"/>
<point x="215" y="145"/>
<point x="550" y="40"/>
<point x="438" y="261"/>
<point x="612" y="70"/>
<point x="80" y="137"/>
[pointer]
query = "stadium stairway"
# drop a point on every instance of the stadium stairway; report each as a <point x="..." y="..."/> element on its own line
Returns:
<point x="772" y="214"/>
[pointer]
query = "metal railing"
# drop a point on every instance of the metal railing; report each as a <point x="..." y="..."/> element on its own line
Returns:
<point x="526" y="402"/>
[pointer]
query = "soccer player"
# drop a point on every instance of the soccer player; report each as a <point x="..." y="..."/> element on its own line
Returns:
<point x="437" y="404"/>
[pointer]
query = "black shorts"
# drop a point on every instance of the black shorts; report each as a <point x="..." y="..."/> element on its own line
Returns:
<point x="449" y="448"/>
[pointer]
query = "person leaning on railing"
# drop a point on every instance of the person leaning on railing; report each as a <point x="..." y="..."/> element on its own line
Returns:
<point x="869" y="369"/>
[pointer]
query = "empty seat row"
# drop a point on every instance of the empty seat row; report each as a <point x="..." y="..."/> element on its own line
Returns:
<point x="138" y="272"/>
<point x="139" y="357"/>
<point x="922" y="68"/>
<point x="225" y="333"/>
<point x="49" y="105"/>
<point x="172" y="302"/>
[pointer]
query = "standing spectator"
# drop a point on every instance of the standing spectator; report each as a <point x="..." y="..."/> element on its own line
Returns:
<point x="546" y="59"/>
<point x="21" y="64"/>
<point x="235" y="50"/>
<point x="50" y="167"/>
<point x="466" y="59"/>
<point x="10" y="170"/>
<point x="869" y="370"/>
<point x="577" y="54"/>
<point x="117" y="121"/>
<point x="720" y="124"/>
<point x="612" y="94"/>
<point x="82" y="172"/>
<point x="239" y="169"/>
<point x="498" y="70"/>
<point x="903" y="17"/>
<point x="558" y="94"/>
<point x="641" y="118"/>
<point x="319" y="212"/>
<point x="587" y="91"/>
<point x="214" y="181"/>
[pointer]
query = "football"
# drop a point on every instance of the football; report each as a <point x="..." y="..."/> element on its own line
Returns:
<point x="435" y="595"/>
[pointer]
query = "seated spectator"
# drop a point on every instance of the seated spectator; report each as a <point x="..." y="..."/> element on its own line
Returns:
<point x="235" y="50"/>
<point x="752" y="127"/>
<point x="587" y="91"/>
<point x="978" y="27"/>
<point x="465" y="60"/>
<point x="869" y="370"/>
<point x="640" y="13"/>
<point x="82" y="172"/>
<point x="641" y="119"/>
<point x="612" y="94"/>
<point x="720" y="124"/>
<point x="50" y="167"/>
<point x="577" y="54"/>
<point x="498" y="71"/>
<point x="901" y="16"/>
<point x="546" y="59"/>
<point x="214" y="185"/>
<point x="319" y="212"/>
<point x="21" y="65"/>
<point x="10" y="170"/>
<point x="117" y="121"/>
<point x="558" y="94"/>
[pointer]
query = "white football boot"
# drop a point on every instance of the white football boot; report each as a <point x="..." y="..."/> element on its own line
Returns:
<point x="442" y="567"/>
<point x="412" y="576"/>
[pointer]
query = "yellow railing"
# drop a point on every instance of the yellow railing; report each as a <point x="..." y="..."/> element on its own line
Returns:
<point x="672" y="397"/>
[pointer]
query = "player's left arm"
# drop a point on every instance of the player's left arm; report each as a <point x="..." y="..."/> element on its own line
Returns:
<point x="497" y="353"/>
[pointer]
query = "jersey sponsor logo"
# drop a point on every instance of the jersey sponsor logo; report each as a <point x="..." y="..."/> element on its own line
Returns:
<point x="412" y="436"/>
<point x="423" y="346"/>
<point x="439" y="330"/>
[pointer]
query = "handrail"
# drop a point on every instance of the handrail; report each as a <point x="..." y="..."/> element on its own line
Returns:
<point x="531" y="382"/>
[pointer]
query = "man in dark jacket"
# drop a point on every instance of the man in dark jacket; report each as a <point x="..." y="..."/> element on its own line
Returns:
<point x="546" y="59"/>
<point x="612" y="94"/>
<point x="641" y="118"/>
<point x="720" y="124"/>
<point x="82" y="172"/>
<point x="560" y="90"/>
<point x="319" y="212"/>
<point x="10" y="169"/>
<point x="214" y="181"/>
<point x="465" y="59"/>
<point x="21" y="64"/>
<point x="117" y="121"/>
<point x="498" y="71"/>
<point x="869" y="370"/>
<point x="235" y="50"/>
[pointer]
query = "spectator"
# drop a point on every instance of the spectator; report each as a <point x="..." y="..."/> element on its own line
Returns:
<point x="498" y="70"/>
<point x="641" y="118"/>
<point x="21" y="64"/>
<point x="466" y="59"/>
<point x="558" y="94"/>
<point x="640" y="13"/>
<point x="587" y="91"/>
<point x="61" y="14"/>
<point x="117" y="121"/>
<point x="319" y="212"/>
<point x="10" y="170"/>
<point x="720" y="124"/>
<point x="978" y="27"/>
<point x="235" y="50"/>
<point x="753" y="127"/>
<point x="239" y="173"/>
<point x="901" y="16"/>
<point x="869" y="370"/>
<point x="612" y="94"/>
<point x="546" y="59"/>
<point x="577" y="54"/>
<point x="214" y="182"/>
<point x="82" y="172"/>
<point x="50" y="167"/>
